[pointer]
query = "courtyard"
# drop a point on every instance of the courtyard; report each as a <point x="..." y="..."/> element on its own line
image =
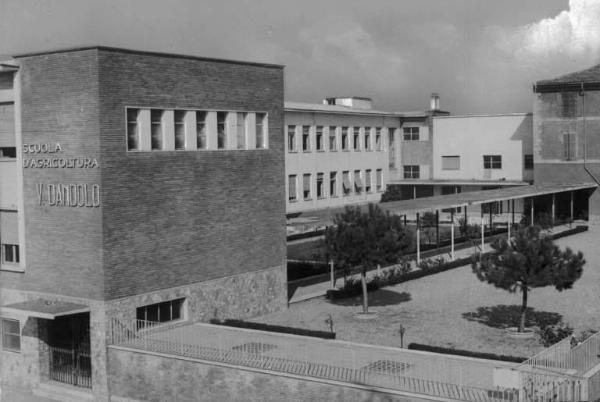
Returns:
<point x="454" y="309"/>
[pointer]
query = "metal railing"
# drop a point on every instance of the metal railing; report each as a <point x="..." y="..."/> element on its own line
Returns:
<point x="401" y="370"/>
<point x="70" y="366"/>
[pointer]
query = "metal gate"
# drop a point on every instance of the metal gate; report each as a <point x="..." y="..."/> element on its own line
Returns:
<point x="70" y="366"/>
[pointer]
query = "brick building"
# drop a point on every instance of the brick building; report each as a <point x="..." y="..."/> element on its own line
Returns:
<point x="133" y="185"/>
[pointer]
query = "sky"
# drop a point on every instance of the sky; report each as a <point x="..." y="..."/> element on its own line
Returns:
<point x="481" y="56"/>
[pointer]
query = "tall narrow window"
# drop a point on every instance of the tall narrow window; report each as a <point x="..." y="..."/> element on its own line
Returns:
<point x="133" y="130"/>
<point x="391" y="149"/>
<point x="528" y="161"/>
<point x="292" y="192"/>
<point x="368" y="180"/>
<point x="260" y="130"/>
<point x="367" y="138"/>
<point x="569" y="146"/>
<point x="378" y="139"/>
<point x="356" y="141"/>
<point x="291" y="135"/>
<point x="241" y="130"/>
<point x="378" y="179"/>
<point x="201" y="130"/>
<point x="221" y="129"/>
<point x="10" y="253"/>
<point x="306" y="138"/>
<point x="319" y="138"/>
<point x="346" y="185"/>
<point x="156" y="133"/>
<point x="11" y="335"/>
<point x="332" y="139"/>
<point x="179" y="129"/>
<point x="320" y="189"/>
<point x="344" y="138"/>
<point x="357" y="182"/>
<point x="333" y="184"/>
<point x="306" y="186"/>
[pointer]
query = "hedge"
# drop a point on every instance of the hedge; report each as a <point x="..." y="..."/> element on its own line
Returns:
<point x="273" y="328"/>
<point x="466" y="353"/>
<point x="575" y="230"/>
<point x="306" y="235"/>
<point x="303" y="269"/>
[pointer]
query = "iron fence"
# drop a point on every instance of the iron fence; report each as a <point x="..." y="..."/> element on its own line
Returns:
<point x="70" y="366"/>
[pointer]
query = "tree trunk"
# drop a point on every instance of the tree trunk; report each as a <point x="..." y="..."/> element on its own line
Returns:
<point x="363" y="279"/>
<point x="523" y="310"/>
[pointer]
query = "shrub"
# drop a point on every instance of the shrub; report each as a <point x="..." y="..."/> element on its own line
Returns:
<point x="429" y="264"/>
<point x="551" y="334"/>
<point x="466" y="353"/>
<point x="274" y="328"/>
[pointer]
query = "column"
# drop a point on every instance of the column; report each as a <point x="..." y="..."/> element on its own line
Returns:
<point x="418" y="240"/>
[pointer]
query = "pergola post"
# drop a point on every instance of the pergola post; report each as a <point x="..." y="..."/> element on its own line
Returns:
<point x="513" y="211"/>
<point x="491" y="222"/>
<point x="332" y="274"/>
<point x="532" y="198"/>
<point x="482" y="234"/>
<point x="466" y="216"/>
<point x="508" y="227"/>
<point x="418" y="241"/>
<point x="404" y="220"/>
<point x="452" y="234"/>
<point x="437" y="228"/>
<point x="571" y="206"/>
<point x="553" y="208"/>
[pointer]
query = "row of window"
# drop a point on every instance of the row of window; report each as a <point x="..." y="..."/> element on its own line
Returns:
<point x="332" y="138"/>
<point x="360" y="182"/>
<point x="166" y="311"/>
<point x="167" y="130"/>
<point x="8" y="152"/>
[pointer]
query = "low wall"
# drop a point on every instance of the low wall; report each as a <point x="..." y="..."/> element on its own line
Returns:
<point x="136" y="375"/>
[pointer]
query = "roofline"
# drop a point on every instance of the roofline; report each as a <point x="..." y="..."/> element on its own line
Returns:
<point x="147" y="53"/>
<point x="349" y="97"/>
<point x="483" y="115"/>
<point x="349" y="112"/>
<point x="573" y="86"/>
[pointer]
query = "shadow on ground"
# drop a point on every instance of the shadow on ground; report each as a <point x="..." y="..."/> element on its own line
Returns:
<point x="503" y="316"/>
<point x="378" y="298"/>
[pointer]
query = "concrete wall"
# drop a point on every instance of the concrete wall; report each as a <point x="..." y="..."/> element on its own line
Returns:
<point x="415" y="152"/>
<point x="471" y="137"/>
<point x="154" y="378"/>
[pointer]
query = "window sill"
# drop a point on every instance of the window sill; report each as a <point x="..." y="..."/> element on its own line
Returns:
<point x="308" y="199"/>
<point x="11" y="351"/>
<point x="333" y="196"/>
<point x="321" y="198"/>
<point x="320" y="150"/>
<point x="306" y="152"/>
<point x="292" y="201"/>
<point x="292" y="152"/>
<point x="345" y="150"/>
<point x="10" y="267"/>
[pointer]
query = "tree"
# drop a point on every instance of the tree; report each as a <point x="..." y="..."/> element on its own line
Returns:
<point x="366" y="239"/>
<point x="529" y="260"/>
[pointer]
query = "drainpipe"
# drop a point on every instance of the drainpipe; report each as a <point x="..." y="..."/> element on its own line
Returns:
<point x="582" y="94"/>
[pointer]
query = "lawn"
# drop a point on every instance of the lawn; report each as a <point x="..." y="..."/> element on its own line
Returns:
<point x="454" y="309"/>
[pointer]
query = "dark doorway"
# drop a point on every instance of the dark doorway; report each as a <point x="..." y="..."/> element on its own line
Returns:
<point x="69" y="349"/>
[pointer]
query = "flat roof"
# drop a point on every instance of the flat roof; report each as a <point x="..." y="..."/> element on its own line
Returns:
<point x="453" y="182"/>
<point x="464" y="116"/>
<point x="147" y="53"/>
<point x="48" y="309"/>
<point x="340" y="109"/>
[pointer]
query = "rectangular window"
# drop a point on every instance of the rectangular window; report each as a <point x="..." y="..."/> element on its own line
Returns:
<point x="346" y="186"/>
<point x="569" y="146"/>
<point x="368" y="180"/>
<point x="291" y="135"/>
<point x="160" y="312"/>
<point x="451" y="162"/>
<point x="306" y="186"/>
<point x="179" y="116"/>
<point x="391" y="149"/>
<point x="306" y="138"/>
<point x="292" y="192"/>
<point x="367" y="138"/>
<point x="378" y="140"/>
<point x="319" y="138"/>
<point x="10" y="253"/>
<point x="379" y="180"/>
<point x="8" y="152"/>
<point x="221" y="130"/>
<point x="333" y="184"/>
<point x="156" y="126"/>
<point x="569" y="104"/>
<point x="11" y="335"/>
<point x="411" y="171"/>
<point x="344" y="138"/>
<point x="241" y="130"/>
<point x="201" y="130"/>
<point x="260" y="130"/>
<point x="133" y="130"/>
<point x="356" y="141"/>
<point x="492" y="161"/>
<point x="357" y="182"/>
<point x="528" y="161"/>
<point x="332" y="139"/>
<point x="320" y="189"/>
<point x="411" y="134"/>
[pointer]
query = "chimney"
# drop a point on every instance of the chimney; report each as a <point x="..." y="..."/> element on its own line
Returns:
<point x="435" y="102"/>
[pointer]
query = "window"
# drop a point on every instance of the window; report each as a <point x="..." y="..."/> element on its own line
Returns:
<point x="11" y="335"/>
<point x="378" y="139"/>
<point x="160" y="312"/>
<point x="319" y="138"/>
<point x="221" y="129"/>
<point x="241" y="130"/>
<point x="356" y="142"/>
<point x="368" y="138"/>
<point x="179" y="129"/>
<point x="528" y="161"/>
<point x="357" y="182"/>
<point x="368" y="180"/>
<point x="411" y="134"/>
<point x="201" y="130"/>
<point x="292" y="192"/>
<point x="133" y="130"/>
<point x="332" y="139"/>
<point x="260" y="128"/>
<point x="346" y="186"/>
<point x="8" y="152"/>
<point x="320" y="185"/>
<point x="306" y="138"/>
<point x="306" y="186"/>
<point x="569" y="146"/>
<point x="492" y="161"/>
<point x="378" y="179"/>
<point x="291" y="134"/>
<point x="450" y="162"/>
<point x="10" y="253"/>
<point x="411" y="171"/>
<point x="333" y="184"/>
<point x="391" y="149"/>
<point x="344" y="138"/>
<point x="156" y="133"/>
<point x="569" y="104"/>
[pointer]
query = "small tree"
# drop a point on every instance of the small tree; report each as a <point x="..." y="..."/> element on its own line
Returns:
<point x="363" y="240"/>
<point x="529" y="260"/>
